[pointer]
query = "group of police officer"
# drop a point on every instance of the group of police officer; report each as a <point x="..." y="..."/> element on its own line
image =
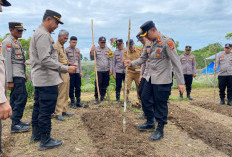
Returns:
<point x="56" y="75"/>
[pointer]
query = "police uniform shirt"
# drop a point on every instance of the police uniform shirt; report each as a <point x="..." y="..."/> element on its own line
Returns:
<point x="225" y="62"/>
<point x="45" y="66"/>
<point x="133" y="56"/>
<point x="188" y="63"/>
<point x="163" y="56"/>
<point x="14" y="58"/>
<point x="145" y="66"/>
<point x="117" y="62"/>
<point x="3" y="91"/>
<point x="74" y="56"/>
<point x="103" y="58"/>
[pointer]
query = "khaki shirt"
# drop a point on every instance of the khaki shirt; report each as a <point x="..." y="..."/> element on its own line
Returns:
<point x="117" y="66"/>
<point x="103" y="58"/>
<point x="74" y="56"/>
<point x="3" y="91"/>
<point x="145" y="66"/>
<point x="62" y="58"/>
<point x="133" y="56"/>
<point x="45" y="67"/>
<point x="224" y="61"/>
<point x="14" y="58"/>
<point x="163" y="56"/>
<point x="188" y="63"/>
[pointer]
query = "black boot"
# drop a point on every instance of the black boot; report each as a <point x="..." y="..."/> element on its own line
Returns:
<point x="47" y="142"/>
<point x="78" y="104"/>
<point x="189" y="97"/>
<point x="17" y="128"/>
<point x="229" y="102"/>
<point x="103" y="98"/>
<point x="181" y="96"/>
<point x="24" y="123"/>
<point x="159" y="133"/>
<point x="222" y="101"/>
<point x="117" y="97"/>
<point x="148" y="126"/>
<point x="35" y="137"/>
<point x="96" y="101"/>
<point x="72" y="104"/>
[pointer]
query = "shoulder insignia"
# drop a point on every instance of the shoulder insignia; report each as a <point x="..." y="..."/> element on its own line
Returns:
<point x="9" y="48"/>
<point x="171" y="45"/>
<point x="160" y="43"/>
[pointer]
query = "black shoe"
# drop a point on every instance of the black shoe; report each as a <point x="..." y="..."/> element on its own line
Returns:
<point x="222" y="102"/>
<point x="58" y="117"/>
<point x="79" y="105"/>
<point x="103" y="99"/>
<point x="24" y="123"/>
<point x="189" y="97"/>
<point x="158" y="134"/>
<point x="229" y="102"/>
<point x="73" y="106"/>
<point x="96" y="101"/>
<point x="47" y="142"/>
<point x="35" y="137"/>
<point x="67" y="114"/>
<point x="181" y="97"/>
<point x="146" y="127"/>
<point x="142" y="116"/>
<point x="19" y="128"/>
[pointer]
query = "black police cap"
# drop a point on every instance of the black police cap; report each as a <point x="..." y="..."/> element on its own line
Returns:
<point x="227" y="45"/>
<point x="102" y="39"/>
<point x="146" y="27"/>
<point x="130" y="43"/>
<point x="73" y="38"/>
<point x="5" y="3"/>
<point x="188" y="47"/>
<point x="51" y="13"/>
<point x="119" y="41"/>
<point x="17" y="25"/>
<point x="138" y="36"/>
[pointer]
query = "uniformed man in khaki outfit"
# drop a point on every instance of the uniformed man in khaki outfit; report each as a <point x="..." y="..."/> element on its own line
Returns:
<point x="188" y="63"/>
<point x="16" y="75"/>
<point x="133" y="72"/>
<point x="163" y="56"/>
<point x="224" y="61"/>
<point x="45" y="73"/>
<point x="5" y="108"/>
<point x="62" y="100"/>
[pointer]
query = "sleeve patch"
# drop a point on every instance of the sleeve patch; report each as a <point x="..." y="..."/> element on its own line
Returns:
<point x="171" y="45"/>
<point x="9" y="48"/>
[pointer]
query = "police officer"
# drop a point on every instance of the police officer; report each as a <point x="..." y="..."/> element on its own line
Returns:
<point x="224" y="61"/>
<point x="188" y="63"/>
<point x="16" y="75"/>
<point x="144" y="68"/>
<point x="104" y="66"/>
<point x="118" y="68"/>
<point x="63" y="88"/>
<point x="163" y="54"/>
<point x="45" y="71"/>
<point x="74" y="57"/>
<point x="133" y="72"/>
<point x="5" y="108"/>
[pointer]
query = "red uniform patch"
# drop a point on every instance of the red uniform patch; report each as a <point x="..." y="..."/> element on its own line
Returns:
<point x="171" y="45"/>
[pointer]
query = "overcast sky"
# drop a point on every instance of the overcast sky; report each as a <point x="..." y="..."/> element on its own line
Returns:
<point x="196" y="22"/>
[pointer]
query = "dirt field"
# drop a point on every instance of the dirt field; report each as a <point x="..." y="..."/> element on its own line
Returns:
<point x="195" y="128"/>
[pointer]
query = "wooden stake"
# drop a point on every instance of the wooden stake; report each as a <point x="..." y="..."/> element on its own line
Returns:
<point x="95" y="60"/>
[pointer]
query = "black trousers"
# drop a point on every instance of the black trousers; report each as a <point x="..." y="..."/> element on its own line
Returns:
<point x="18" y="99"/>
<point x="103" y="83"/>
<point x="155" y="97"/>
<point x="119" y="78"/>
<point x="223" y="83"/>
<point x="188" y="83"/>
<point x="44" y="107"/>
<point x="75" y="86"/>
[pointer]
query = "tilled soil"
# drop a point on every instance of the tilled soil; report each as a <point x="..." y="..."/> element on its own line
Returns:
<point x="223" y="109"/>
<point x="106" y="130"/>
<point x="213" y="134"/>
